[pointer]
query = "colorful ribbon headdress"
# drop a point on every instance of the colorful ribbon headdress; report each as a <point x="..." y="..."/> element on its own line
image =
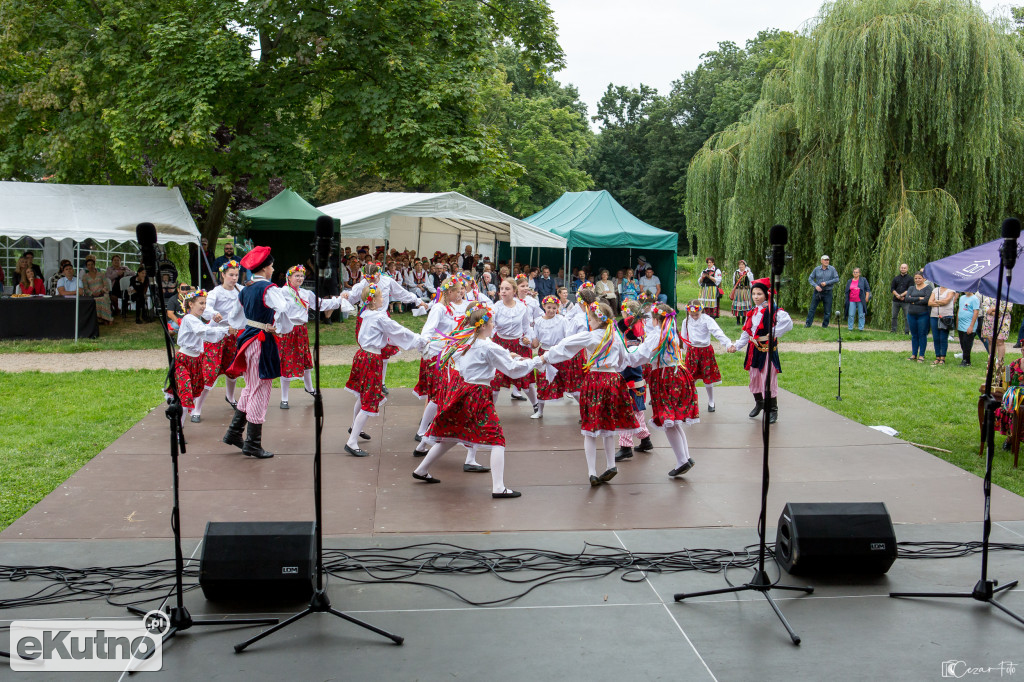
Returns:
<point x="227" y="265"/>
<point x="550" y="299"/>
<point x="462" y="336"/>
<point x="296" y="269"/>
<point x="668" y="341"/>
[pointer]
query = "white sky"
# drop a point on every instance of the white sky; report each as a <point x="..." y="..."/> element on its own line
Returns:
<point x="629" y="42"/>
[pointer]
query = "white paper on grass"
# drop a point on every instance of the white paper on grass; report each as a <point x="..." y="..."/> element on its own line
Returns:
<point x="887" y="430"/>
<point x="417" y="312"/>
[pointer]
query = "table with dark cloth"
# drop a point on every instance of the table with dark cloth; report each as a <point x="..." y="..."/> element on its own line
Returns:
<point x="47" y="318"/>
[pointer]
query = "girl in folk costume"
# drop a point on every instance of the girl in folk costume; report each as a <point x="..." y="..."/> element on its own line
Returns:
<point x="696" y="332"/>
<point x="512" y="318"/>
<point x="673" y="395"/>
<point x="709" y="280"/>
<point x="195" y="369"/>
<point x="447" y="309"/>
<point x="755" y="332"/>
<point x="547" y="332"/>
<point x="467" y="413"/>
<point x="527" y="296"/>
<point x="632" y="327"/>
<point x="367" y="378"/>
<point x="605" y="406"/>
<point x="742" y="277"/>
<point x="224" y="310"/>
<point x="293" y="347"/>
<point x="472" y="291"/>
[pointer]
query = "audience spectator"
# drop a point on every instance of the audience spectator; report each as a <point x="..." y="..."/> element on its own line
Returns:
<point x="652" y="285"/>
<point x="138" y="289"/>
<point x="30" y="256"/>
<point x="942" y="309"/>
<point x="545" y="285"/>
<point x="969" y="308"/>
<point x="560" y="279"/>
<point x="742" y="278"/>
<point x="710" y="282"/>
<point x="605" y="289"/>
<point x="96" y="284"/>
<point x="229" y="254"/>
<point x="67" y="285"/>
<point x="467" y="261"/>
<point x="856" y="295"/>
<point x="899" y="286"/>
<point x="114" y="274"/>
<point x="989" y="323"/>
<point x="172" y="304"/>
<point x="487" y="285"/>
<point x="51" y="286"/>
<point x="30" y="285"/>
<point x="917" y="297"/>
<point x="418" y="282"/>
<point x="629" y="287"/>
<point x="822" y="279"/>
<point x="205" y="263"/>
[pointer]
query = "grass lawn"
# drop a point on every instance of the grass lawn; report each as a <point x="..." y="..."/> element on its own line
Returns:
<point x="49" y="432"/>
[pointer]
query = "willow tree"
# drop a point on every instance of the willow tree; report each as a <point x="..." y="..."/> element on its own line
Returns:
<point x="895" y="136"/>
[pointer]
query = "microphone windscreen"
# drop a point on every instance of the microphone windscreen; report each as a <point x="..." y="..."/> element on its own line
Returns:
<point x="778" y="235"/>
<point x="1011" y="228"/>
<point x="324" y="227"/>
<point x="145" y="234"/>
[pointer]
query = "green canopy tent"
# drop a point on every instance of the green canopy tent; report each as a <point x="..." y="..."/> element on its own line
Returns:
<point x="278" y="224"/>
<point x="602" y="233"/>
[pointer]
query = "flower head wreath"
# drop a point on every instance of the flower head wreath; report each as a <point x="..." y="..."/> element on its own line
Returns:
<point x="595" y="310"/>
<point x="188" y="297"/>
<point x="693" y="308"/>
<point x="224" y="267"/>
<point x="296" y="269"/>
<point x="550" y="299"/>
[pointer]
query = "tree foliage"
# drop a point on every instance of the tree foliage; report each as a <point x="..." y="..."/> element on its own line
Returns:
<point x="896" y="137"/>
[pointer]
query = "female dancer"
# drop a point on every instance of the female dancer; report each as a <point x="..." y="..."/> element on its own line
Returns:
<point x="224" y="310"/>
<point x="467" y="412"/>
<point x="512" y="318"/>
<point x="605" y="406"/>
<point x="709" y="280"/>
<point x="741" y="303"/>
<point x="755" y="332"/>
<point x="194" y="368"/>
<point x="448" y="307"/>
<point x="673" y="396"/>
<point x="296" y="361"/>
<point x="367" y="378"/>
<point x="547" y="332"/>
<point x="696" y="333"/>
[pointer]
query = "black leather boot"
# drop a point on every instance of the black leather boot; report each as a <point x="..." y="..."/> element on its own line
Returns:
<point x="758" y="405"/>
<point x="253" y="446"/>
<point x="623" y="453"/>
<point x="233" y="436"/>
<point x="773" y="410"/>
<point x="645" y="445"/>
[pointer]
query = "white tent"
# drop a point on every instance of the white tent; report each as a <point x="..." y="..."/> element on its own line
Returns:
<point x="426" y="222"/>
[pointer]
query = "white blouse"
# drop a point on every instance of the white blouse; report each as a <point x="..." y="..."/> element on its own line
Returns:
<point x="588" y="341"/>
<point x="298" y="314"/>
<point x="390" y="289"/>
<point x="379" y="330"/>
<point x="193" y="333"/>
<point x="512" y="322"/>
<point x="225" y="302"/>
<point x="478" y="364"/>
<point x="699" y="332"/>
<point x="550" y="331"/>
<point x="644" y="353"/>
<point x="783" y="323"/>
<point x="440" y="321"/>
<point x="577" y="321"/>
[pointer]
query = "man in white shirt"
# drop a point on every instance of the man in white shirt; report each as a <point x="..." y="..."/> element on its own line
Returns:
<point x="650" y="282"/>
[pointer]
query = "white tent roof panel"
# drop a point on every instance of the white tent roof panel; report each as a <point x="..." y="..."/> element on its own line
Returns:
<point x="100" y="212"/>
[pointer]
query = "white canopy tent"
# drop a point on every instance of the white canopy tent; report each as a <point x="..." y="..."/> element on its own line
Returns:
<point x="97" y="212"/>
<point x="428" y="222"/>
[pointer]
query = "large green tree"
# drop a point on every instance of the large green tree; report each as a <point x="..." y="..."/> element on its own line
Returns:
<point x="896" y="137"/>
<point x="220" y="95"/>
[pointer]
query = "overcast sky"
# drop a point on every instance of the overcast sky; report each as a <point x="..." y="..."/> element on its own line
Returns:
<point x="629" y="42"/>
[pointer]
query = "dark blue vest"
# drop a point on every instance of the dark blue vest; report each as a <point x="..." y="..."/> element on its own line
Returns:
<point x="251" y="298"/>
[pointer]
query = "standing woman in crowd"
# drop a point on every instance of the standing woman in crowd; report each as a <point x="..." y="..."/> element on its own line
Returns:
<point x="96" y="285"/>
<point x="916" y="299"/>
<point x="942" y="307"/>
<point x="114" y="274"/>
<point x="1002" y="325"/>
<point x="709" y="280"/>
<point x="742" y="277"/>
<point x="969" y="309"/>
<point x="139" y="288"/>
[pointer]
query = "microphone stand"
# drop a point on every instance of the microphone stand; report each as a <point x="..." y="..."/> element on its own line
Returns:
<point x="760" y="582"/>
<point x="839" y="390"/>
<point x="319" y="602"/>
<point x="178" y="616"/>
<point x="985" y="589"/>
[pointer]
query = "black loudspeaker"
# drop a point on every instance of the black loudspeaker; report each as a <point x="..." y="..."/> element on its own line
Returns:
<point x="258" y="561"/>
<point x="835" y="537"/>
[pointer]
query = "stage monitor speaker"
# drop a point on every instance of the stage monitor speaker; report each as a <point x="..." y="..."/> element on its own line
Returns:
<point x="835" y="537"/>
<point x="270" y="561"/>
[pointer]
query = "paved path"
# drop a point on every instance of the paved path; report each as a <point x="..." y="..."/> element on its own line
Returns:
<point x="329" y="355"/>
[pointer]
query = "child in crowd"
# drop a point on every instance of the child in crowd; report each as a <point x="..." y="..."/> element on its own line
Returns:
<point x="696" y="332"/>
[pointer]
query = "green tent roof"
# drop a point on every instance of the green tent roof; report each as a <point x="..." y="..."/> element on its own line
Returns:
<point x="595" y="220"/>
<point x="286" y="211"/>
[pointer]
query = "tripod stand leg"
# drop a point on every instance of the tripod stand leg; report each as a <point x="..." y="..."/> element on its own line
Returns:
<point x="680" y="596"/>
<point x="795" y="588"/>
<point x="1007" y="586"/>
<point x="394" y="638"/>
<point x="1007" y="611"/>
<point x="298" y="616"/>
<point x="953" y="595"/>
<point x="792" y="633"/>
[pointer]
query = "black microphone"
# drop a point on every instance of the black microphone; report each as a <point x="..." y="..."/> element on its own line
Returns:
<point x="145" y="235"/>
<point x="777" y="237"/>
<point x="1011" y="231"/>
<point x="324" y="234"/>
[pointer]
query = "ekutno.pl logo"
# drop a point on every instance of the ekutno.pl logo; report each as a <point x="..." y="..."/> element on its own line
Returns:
<point x="89" y="645"/>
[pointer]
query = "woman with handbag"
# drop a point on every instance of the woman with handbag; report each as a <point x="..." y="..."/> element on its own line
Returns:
<point x="941" y="304"/>
<point x="740" y="294"/>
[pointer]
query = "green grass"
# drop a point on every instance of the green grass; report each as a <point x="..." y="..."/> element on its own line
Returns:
<point x="55" y="423"/>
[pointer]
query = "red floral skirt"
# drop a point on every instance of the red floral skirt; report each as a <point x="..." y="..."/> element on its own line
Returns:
<point x="571" y="372"/>
<point x="701" y="364"/>
<point x="502" y="381"/>
<point x="467" y="415"/>
<point x="367" y="380"/>
<point x="673" y="396"/>
<point x="554" y="389"/>
<point x="293" y="348"/>
<point x="222" y="353"/>
<point x="605" y="405"/>
<point x="424" y="387"/>
<point x="389" y="351"/>
<point x="191" y="376"/>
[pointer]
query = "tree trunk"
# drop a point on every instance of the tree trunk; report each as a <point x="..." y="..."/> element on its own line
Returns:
<point x="215" y="215"/>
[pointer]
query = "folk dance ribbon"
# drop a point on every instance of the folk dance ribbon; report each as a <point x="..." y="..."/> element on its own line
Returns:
<point x="463" y="334"/>
<point x="669" y="341"/>
<point x="604" y="347"/>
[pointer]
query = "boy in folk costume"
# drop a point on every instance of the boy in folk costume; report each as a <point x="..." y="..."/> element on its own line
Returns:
<point x="194" y="367"/>
<point x="696" y="332"/>
<point x="293" y="346"/>
<point x="467" y="413"/>
<point x="547" y="332"/>
<point x="632" y="328"/>
<point x="257" y="357"/>
<point x="366" y="380"/>
<point x="223" y="309"/>
<point x="755" y="332"/>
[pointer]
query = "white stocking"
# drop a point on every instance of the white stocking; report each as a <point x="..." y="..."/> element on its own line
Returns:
<point x="231" y="389"/>
<point x="384" y="374"/>
<point x="609" y="450"/>
<point x="498" y="469"/>
<point x="494" y="396"/>
<point x="711" y="394"/>
<point x="516" y="391"/>
<point x="198" y="409"/>
<point x="540" y="407"/>
<point x="435" y="453"/>
<point x="590" y="450"/>
<point x="531" y="393"/>
<point x="425" y="444"/>
<point x="285" y="385"/>
<point x="307" y="380"/>
<point x="429" y="412"/>
<point x="355" y="409"/>
<point x="471" y="455"/>
<point x="677" y="439"/>
<point x="184" y="415"/>
<point x="357" y="425"/>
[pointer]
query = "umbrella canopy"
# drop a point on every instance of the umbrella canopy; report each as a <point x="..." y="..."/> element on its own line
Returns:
<point x="977" y="269"/>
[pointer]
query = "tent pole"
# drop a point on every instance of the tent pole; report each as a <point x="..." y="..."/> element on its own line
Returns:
<point x="78" y="291"/>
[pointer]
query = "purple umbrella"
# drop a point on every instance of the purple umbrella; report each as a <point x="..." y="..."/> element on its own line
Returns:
<point x="977" y="269"/>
